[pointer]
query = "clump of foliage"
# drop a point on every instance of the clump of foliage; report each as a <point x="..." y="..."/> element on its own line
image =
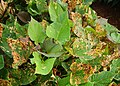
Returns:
<point x="57" y="43"/>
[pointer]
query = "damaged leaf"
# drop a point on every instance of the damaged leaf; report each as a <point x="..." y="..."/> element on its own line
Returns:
<point x="42" y="67"/>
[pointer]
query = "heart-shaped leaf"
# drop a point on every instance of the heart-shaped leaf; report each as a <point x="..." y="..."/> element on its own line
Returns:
<point x="60" y="28"/>
<point x="36" y="31"/>
<point x="55" y="10"/>
<point x="42" y="67"/>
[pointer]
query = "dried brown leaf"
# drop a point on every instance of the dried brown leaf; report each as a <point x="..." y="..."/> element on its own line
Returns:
<point x="4" y="83"/>
<point x="3" y="6"/>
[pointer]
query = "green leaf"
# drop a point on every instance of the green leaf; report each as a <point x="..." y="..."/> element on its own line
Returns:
<point x="55" y="10"/>
<point x="36" y="7"/>
<point x="110" y="28"/>
<point x="64" y="81"/>
<point x="79" y="49"/>
<point x="90" y="29"/>
<point x="5" y="47"/>
<point x="43" y="67"/>
<point x="21" y="30"/>
<point x="58" y="31"/>
<point x="41" y="5"/>
<point x="117" y="77"/>
<point x="22" y="77"/>
<point x="102" y="79"/>
<point x="60" y="28"/>
<point x="1" y="62"/>
<point x="52" y="49"/>
<point x="112" y="32"/>
<point x="36" y="31"/>
<point x="32" y="8"/>
<point x="87" y="2"/>
<point x="4" y="73"/>
<point x="115" y="37"/>
<point x="114" y="67"/>
<point x="87" y="84"/>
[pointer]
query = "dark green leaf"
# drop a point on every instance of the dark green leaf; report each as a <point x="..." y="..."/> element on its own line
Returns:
<point x="64" y="81"/>
<point x="1" y="62"/>
<point x="87" y="2"/>
<point x="22" y="77"/>
<point x="52" y="49"/>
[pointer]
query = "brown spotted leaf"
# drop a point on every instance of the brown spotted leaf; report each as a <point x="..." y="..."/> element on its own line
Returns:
<point x="80" y="73"/>
<point x="21" y="50"/>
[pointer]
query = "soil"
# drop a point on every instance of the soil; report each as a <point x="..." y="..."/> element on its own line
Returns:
<point x="108" y="12"/>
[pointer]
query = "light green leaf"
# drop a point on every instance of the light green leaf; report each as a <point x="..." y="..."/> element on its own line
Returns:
<point x="43" y="67"/>
<point x="60" y="28"/>
<point x="55" y="10"/>
<point x="102" y="79"/>
<point x="36" y="31"/>
<point x="114" y="67"/>
<point x="110" y="28"/>
<point x="54" y="54"/>
<point x="58" y="31"/>
<point x="53" y="29"/>
<point x="115" y="37"/>
<point x="1" y="62"/>
<point x="90" y="29"/>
